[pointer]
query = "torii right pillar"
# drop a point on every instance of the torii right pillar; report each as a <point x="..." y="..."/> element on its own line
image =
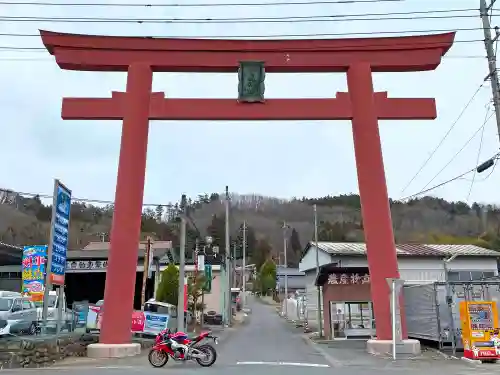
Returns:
<point x="377" y="222"/>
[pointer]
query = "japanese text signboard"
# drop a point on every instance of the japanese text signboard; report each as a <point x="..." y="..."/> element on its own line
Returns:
<point x="59" y="233"/>
<point x="348" y="279"/>
<point x="83" y="265"/>
<point x="33" y="271"/>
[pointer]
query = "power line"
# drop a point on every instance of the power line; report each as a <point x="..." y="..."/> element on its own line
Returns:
<point x="75" y="199"/>
<point x="478" y="155"/>
<point x="334" y="18"/>
<point x="494" y="158"/>
<point x="459" y="151"/>
<point x="452" y="126"/>
<point x="201" y="5"/>
<point x="313" y="18"/>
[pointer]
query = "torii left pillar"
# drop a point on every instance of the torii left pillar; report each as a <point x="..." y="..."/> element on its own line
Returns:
<point x="126" y="226"/>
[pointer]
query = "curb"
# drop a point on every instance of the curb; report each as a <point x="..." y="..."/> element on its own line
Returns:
<point x="444" y="355"/>
<point x="471" y="361"/>
<point x="331" y="360"/>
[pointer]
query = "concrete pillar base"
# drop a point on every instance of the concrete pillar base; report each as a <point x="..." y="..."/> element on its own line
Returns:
<point x="383" y="347"/>
<point x="113" y="350"/>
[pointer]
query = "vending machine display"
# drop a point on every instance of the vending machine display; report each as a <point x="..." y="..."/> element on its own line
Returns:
<point x="480" y="331"/>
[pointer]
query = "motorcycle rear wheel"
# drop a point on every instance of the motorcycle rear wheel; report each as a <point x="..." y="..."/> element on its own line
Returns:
<point x="211" y="354"/>
<point x="157" y="358"/>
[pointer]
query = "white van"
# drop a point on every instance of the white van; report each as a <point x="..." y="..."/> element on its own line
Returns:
<point x="67" y="315"/>
<point x="158" y="307"/>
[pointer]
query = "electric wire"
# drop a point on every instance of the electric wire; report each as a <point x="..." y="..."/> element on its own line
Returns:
<point x="452" y="126"/>
<point x="478" y="155"/>
<point x="487" y="176"/>
<point x="459" y="151"/>
<point x="76" y="199"/>
<point x="201" y="5"/>
<point x="338" y="18"/>
<point x="287" y="18"/>
<point x="491" y="172"/>
<point x="460" y="176"/>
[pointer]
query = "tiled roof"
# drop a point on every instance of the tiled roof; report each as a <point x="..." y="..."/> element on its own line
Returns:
<point x="359" y="248"/>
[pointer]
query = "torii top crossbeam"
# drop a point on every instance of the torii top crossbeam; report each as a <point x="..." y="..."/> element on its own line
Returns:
<point x="110" y="53"/>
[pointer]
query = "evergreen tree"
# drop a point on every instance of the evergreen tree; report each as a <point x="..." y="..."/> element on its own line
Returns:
<point x="168" y="290"/>
<point x="262" y="253"/>
<point x="267" y="276"/>
<point x="294" y="250"/>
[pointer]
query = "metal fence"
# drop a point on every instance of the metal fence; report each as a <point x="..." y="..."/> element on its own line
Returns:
<point x="432" y="310"/>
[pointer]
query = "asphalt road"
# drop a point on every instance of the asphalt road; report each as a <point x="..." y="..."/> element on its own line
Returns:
<point x="264" y="344"/>
<point x="268" y="344"/>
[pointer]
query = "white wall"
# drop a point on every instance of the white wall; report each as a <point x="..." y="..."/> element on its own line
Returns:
<point x="309" y="261"/>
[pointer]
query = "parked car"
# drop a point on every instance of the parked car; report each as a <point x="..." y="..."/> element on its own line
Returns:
<point x="211" y="317"/>
<point x="17" y="316"/>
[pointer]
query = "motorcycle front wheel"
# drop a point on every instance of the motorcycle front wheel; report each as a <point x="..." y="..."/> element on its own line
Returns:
<point x="210" y="355"/>
<point x="157" y="358"/>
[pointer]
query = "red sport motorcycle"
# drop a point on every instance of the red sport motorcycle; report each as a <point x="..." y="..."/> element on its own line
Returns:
<point x="180" y="347"/>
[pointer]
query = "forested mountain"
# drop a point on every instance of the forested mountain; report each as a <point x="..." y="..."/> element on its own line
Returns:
<point x="25" y="220"/>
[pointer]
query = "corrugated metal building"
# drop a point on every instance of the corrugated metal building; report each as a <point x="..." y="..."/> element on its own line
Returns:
<point x="418" y="264"/>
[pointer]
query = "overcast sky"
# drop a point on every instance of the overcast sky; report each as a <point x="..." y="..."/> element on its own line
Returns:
<point x="284" y="159"/>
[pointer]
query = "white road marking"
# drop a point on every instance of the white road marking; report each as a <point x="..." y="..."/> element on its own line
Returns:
<point x="283" y="364"/>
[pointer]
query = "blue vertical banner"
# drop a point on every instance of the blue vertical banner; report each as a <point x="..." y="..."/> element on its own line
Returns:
<point x="33" y="266"/>
<point x="59" y="233"/>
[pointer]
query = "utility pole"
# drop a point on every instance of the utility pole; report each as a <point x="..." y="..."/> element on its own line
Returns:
<point x="182" y="262"/>
<point x="318" y="291"/>
<point x="489" y="41"/>
<point x="228" y="263"/>
<point x="234" y="281"/>
<point x="285" y="268"/>
<point x="147" y="255"/>
<point x="244" y="265"/>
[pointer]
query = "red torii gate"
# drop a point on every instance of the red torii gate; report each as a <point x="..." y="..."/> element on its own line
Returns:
<point x="140" y="57"/>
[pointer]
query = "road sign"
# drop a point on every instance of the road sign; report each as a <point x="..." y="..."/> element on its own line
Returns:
<point x="208" y="277"/>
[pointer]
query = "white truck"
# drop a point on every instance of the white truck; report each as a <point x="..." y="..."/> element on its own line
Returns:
<point x="52" y="313"/>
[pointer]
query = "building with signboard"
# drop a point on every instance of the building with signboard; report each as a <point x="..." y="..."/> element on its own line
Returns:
<point x="86" y="271"/>
<point x="344" y="279"/>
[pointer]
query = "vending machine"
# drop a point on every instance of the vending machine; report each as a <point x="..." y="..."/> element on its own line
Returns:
<point x="480" y="331"/>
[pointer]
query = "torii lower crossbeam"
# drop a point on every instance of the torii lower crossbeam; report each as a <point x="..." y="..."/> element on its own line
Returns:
<point x="338" y="108"/>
